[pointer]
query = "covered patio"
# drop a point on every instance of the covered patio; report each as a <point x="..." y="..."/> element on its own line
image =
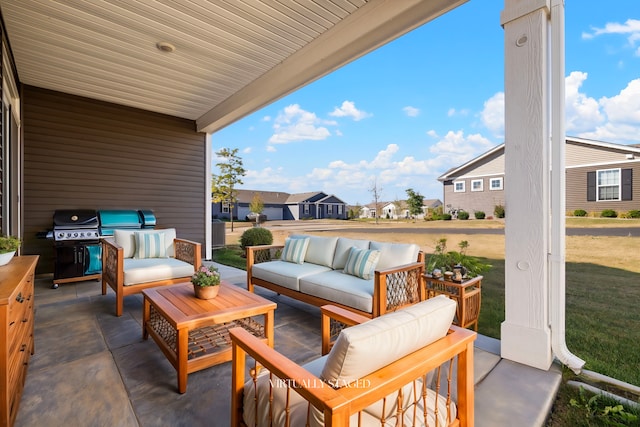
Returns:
<point x="92" y="368"/>
<point x="114" y="104"/>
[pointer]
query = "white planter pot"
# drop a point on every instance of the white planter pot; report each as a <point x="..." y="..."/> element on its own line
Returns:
<point x="6" y="257"/>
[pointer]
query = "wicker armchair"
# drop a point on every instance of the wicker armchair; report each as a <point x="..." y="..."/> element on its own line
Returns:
<point x="127" y="274"/>
<point x="419" y="388"/>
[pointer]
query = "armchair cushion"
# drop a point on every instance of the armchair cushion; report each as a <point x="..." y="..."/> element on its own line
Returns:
<point x="321" y="249"/>
<point x="343" y="248"/>
<point x="126" y="240"/>
<point x="154" y="269"/>
<point x="150" y="245"/>
<point x="390" y="337"/>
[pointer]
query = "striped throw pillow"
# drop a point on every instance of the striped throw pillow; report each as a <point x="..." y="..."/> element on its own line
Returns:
<point x="295" y="250"/>
<point x="150" y="245"/>
<point x="361" y="262"/>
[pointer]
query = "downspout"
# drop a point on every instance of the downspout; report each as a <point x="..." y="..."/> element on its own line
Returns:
<point x="557" y="278"/>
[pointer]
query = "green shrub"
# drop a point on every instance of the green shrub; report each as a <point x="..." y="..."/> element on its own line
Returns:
<point x="580" y="212"/>
<point x="256" y="236"/>
<point x="498" y="211"/>
<point x="479" y="214"/>
<point x="609" y="213"/>
<point x="463" y="215"/>
<point x="445" y="217"/>
<point x="633" y="214"/>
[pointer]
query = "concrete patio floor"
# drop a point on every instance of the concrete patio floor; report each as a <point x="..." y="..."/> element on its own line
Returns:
<point x="91" y="368"/>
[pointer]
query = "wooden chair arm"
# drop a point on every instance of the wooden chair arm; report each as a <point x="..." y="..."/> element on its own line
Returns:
<point x="243" y="343"/>
<point x="112" y="261"/>
<point x="338" y="314"/>
<point x="397" y="287"/>
<point x="188" y="251"/>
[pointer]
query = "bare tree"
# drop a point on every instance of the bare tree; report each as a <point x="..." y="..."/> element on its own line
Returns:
<point x="376" y="192"/>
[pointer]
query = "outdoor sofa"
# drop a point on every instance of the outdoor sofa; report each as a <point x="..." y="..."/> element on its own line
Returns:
<point x="318" y="270"/>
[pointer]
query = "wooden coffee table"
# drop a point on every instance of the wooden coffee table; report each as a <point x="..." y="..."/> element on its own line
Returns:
<point x="193" y="333"/>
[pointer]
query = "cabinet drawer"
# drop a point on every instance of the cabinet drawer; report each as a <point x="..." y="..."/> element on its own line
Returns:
<point x="22" y="301"/>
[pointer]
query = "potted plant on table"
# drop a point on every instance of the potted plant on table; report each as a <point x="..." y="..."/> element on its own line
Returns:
<point x="206" y="282"/>
<point x="8" y="247"/>
<point x="454" y="265"/>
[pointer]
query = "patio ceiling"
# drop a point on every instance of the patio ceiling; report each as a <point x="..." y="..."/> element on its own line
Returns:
<point x="230" y="59"/>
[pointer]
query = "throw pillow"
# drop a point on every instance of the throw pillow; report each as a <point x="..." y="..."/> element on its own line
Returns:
<point x="295" y="250"/>
<point x="361" y="262"/>
<point x="150" y="245"/>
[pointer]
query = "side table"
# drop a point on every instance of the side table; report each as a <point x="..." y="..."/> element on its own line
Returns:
<point x="467" y="295"/>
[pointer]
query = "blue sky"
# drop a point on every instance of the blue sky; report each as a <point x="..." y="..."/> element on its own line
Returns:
<point x="432" y="100"/>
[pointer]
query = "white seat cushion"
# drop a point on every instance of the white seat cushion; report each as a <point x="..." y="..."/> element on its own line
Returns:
<point x="339" y="287"/>
<point x="152" y="269"/>
<point x="285" y="274"/>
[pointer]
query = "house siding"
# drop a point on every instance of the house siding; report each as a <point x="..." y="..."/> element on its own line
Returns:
<point x="472" y="201"/>
<point x="81" y="153"/>
<point x="577" y="154"/>
<point x="576" y="179"/>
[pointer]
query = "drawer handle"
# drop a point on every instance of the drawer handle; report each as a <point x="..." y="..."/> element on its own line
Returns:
<point x="11" y="323"/>
<point x="20" y="298"/>
<point x="23" y="347"/>
<point x="25" y="320"/>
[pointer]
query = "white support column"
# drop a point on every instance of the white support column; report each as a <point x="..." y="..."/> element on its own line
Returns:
<point x="525" y="333"/>
<point x="208" y="152"/>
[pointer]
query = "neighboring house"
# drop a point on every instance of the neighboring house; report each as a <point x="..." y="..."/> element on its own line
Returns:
<point x="284" y="206"/>
<point x="391" y="211"/>
<point x="599" y="175"/>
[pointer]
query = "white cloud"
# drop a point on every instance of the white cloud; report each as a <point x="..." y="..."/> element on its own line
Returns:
<point x="247" y="150"/>
<point x="582" y="112"/>
<point x="348" y="109"/>
<point x="432" y="133"/>
<point x="622" y="112"/>
<point x="266" y="119"/>
<point x="296" y="124"/>
<point x="411" y="111"/>
<point x="631" y="27"/>
<point x="492" y="114"/>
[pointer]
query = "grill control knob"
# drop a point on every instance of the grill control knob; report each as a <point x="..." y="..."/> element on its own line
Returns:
<point x="75" y="234"/>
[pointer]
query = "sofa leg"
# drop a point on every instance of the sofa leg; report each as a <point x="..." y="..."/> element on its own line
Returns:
<point x="119" y="305"/>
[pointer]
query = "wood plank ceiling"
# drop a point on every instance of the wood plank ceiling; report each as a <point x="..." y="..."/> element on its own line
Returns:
<point x="231" y="57"/>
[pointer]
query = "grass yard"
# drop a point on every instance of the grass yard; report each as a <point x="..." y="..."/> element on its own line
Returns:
<point x="602" y="300"/>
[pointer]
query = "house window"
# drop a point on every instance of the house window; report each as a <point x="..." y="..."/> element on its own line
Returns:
<point x="458" y="187"/>
<point x="476" y="185"/>
<point x="495" y="183"/>
<point x="225" y="208"/>
<point x="608" y="184"/>
<point x="339" y="209"/>
<point x="329" y="209"/>
<point x="306" y="208"/>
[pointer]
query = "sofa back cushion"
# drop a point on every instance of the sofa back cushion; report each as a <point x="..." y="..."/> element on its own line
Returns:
<point x="388" y="338"/>
<point x="343" y="247"/>
<point x="395" y="254"/>
<point x="320" y="250"/>
<point x="126" y="239"/>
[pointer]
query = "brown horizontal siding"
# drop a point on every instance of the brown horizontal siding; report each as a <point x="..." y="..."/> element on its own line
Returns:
<point x="577" y="190"/>
<point x="472" y="201"/>
<point x="81" y="153"/>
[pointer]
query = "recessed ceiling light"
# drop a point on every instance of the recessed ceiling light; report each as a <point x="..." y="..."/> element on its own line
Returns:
<point x="165" y="47"/>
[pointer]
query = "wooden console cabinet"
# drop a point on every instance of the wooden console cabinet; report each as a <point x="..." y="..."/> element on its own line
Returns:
<point x="16" y="333"/>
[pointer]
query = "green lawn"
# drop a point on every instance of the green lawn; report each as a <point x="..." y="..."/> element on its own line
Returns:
<point x="602" y="328"/>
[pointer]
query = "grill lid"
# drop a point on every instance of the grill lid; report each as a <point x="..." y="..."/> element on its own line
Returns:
<point x="75" y="218"/>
